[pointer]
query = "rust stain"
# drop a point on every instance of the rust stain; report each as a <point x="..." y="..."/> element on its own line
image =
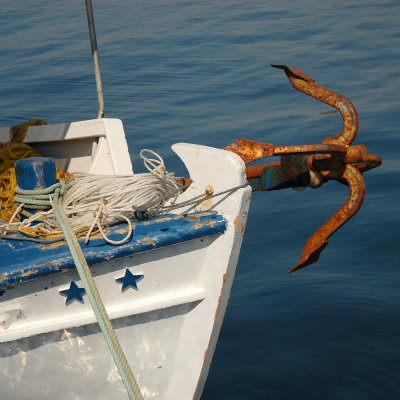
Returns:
<point x="235" y="222"/>
<point x="205" y="205"/>
<point x="250" y="150"/>
<point x="224" y="278"/>
<point x="244" y="221"/>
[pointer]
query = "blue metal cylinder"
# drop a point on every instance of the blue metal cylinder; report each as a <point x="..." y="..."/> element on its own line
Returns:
<point x="35" y="173"/>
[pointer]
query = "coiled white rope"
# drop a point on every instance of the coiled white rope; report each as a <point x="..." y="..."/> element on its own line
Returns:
<point x="91" y="202"/>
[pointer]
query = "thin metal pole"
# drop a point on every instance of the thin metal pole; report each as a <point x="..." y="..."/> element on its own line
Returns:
<point x="95" y="54"/>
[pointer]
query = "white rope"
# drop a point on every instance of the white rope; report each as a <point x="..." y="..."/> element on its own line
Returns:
<point x="94" y="201"/>
<point x="91" y="202"/>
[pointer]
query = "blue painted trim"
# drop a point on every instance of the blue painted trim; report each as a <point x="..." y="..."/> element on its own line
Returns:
<point x="22" y="260"/>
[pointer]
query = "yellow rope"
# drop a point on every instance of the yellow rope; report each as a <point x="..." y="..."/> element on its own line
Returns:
<point x="8" y="182"/>
<point x="7" y="185"/>
<point x="10" y="152"/>
<point x="18" y="132"/>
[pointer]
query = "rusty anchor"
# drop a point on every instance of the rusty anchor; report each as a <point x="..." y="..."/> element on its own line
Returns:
<point x="313" y="164"/>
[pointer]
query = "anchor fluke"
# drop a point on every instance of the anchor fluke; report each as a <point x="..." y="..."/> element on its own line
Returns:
<point x="310" y="257"/>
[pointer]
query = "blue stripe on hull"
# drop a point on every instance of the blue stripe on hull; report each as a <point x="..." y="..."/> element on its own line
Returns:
<point x="23" y="260"/>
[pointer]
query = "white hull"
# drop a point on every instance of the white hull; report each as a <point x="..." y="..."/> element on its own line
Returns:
<point x="168" y="328"/>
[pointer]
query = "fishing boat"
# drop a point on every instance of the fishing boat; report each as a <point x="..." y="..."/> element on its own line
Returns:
<point x="152" y="282"/>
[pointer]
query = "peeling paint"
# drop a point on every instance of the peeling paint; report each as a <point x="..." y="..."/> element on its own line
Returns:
<point x="28" y="273"/>
<point x="30" y="260"/>
<point x="244" y="221"/>
<point x="123" y="230"/>
<point x="224" y="278"/>
<point x="163" y="219"/>
<point x="54" y="245"/>
<point x="202" y="224"/>
<point x="147" y="240"/>
<point x="235" y="223"/>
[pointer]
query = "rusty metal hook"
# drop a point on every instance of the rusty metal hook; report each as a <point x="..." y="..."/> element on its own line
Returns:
<point x="313" y="164"/>
<point x="307" y="85"/>
<point x="319" y="239"/>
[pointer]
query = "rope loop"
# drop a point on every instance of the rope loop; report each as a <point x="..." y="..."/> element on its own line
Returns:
<point x="155" y="165"/>
<point x="92" y="202"/>
<point x="37" y="198"/>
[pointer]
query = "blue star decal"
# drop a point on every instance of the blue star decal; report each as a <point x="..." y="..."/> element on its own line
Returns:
<point x="129" y="280"/>
<point x="73" y="293"/>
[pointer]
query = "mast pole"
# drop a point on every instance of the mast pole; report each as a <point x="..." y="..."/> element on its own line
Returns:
<point x="95" y="54"/>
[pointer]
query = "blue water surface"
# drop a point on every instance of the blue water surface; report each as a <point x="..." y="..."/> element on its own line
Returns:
<point x="198" y="71"/>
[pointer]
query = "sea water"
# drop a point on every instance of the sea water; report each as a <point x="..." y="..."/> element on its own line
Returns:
<point x="198" y="71"/>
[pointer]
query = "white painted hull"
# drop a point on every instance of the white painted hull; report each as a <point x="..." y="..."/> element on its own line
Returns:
<point x="168" y="328"/>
